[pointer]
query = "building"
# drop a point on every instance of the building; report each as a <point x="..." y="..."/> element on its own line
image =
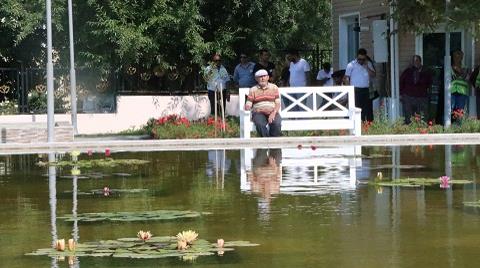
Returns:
<point x="366" y="24"/>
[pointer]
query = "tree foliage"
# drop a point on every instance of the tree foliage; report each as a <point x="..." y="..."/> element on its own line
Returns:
<point x="426" y="15"/>
<point x="165" y="33"/>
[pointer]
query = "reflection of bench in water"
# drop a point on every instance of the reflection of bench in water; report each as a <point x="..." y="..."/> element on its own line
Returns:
<point x="309" y="171"/>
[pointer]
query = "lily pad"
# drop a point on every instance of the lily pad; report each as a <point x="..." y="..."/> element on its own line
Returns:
<point x="472" y="204"/>
<point x="94" y="163"/>
<point x="134" y="216"/>
<point x="111" y="192"/>
<point x="397" y="166"/>
<point x="138" y="249"/>
<point x="416" y="182"/>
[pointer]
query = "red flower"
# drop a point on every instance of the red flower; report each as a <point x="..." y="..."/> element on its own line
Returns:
<point x="430" y="123"/>
<point x="313" y="147"/>
<point x="299" y="147"/>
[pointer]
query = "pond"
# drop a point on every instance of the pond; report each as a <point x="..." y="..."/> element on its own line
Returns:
<point x="308" y="206"/>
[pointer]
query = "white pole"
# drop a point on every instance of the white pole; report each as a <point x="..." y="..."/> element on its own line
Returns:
<point x="73" y="78"/>
<point x="50" y="99"/>
<point x="392" y="107"/>
<point x="447" y="76"/>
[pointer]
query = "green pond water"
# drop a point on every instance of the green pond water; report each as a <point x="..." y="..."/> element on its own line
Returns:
<point x="306" y="208"/>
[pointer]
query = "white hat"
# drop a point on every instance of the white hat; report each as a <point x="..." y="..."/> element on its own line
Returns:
<point x="261" y="72"/>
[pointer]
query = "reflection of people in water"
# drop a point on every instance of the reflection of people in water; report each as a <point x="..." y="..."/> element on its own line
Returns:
<point x="217" y="161"/>
<point x="265" y="174"/>
<point x="265" y="178"/>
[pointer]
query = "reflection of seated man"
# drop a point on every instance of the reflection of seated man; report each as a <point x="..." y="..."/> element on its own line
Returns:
<point x="264" y="100"/>
<point x="265" y="174"/>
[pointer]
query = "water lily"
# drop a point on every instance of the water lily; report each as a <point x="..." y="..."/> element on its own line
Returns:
<point x="379" y="176"/>
<point x="299" y="147"/>
<point x="72" y="245"/>
<point x="188" y="236"/>
<point x="60" y="245"/>
<point x="313" y="147"/>
<point x="107" y="152"/>
<point x="144" y="235"/>
<point x="444" y="182"/>
<point x="75" y="171"/>
<point x="380" y="190"/>
<point x="220" y="243"/>
<point x="90" y="152"/>
<point x="75" y="153"/>
<point x="182" y="244"/>
<point x="71" y="260"/>
<point x="106" y="191"/>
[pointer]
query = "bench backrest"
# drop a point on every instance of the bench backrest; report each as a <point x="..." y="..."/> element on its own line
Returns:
<point x="312" y="102"/>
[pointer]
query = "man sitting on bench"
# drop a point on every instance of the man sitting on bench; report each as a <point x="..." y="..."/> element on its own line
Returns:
<point x="264" y="101"/>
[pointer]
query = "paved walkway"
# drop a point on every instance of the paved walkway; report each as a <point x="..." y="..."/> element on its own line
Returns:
<point x="99" y="144"/>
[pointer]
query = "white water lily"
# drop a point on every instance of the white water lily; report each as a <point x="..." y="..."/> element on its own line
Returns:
<point x="144" y="235"/>
<point x="188" y="236"/>
<point x="72" y="245"/>
<point x="60" y="245"/>
<point x="182" y="244"/>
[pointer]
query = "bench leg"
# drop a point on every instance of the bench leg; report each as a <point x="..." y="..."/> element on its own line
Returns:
<point x="244" y="127"/>
<point x="357" y="123"/>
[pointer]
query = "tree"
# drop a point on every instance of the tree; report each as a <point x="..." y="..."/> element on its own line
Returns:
<point x="426" y="15"/>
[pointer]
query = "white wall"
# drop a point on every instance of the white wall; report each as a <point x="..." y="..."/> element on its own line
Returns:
<point x="133" y="111"/>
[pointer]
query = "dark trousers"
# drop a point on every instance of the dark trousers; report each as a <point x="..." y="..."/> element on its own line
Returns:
<point x="211" y="98"/>
<point x="459" y="101"/>
<point x="415" y="105"/>
<point x="261" y="121"/>
<point x="363" y="101"/>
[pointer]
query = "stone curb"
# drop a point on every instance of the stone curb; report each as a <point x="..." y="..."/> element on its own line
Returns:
<point x="237" y="143"/>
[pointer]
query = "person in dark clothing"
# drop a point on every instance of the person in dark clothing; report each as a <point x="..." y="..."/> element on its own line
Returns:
<point x="415" y="83"/>
<point x="265" y="64"/>
<point x="475" y="81"/>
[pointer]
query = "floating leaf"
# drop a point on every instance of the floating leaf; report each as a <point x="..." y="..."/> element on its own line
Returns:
<point x="134" y="216"/>
<point x="137" y="249"/>
<point x="92" y="163"/>
<point x="416" y="182"/>
<point x="472" y="204"/>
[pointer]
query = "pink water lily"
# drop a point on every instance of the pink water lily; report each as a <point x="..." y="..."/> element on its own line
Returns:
<point x="444" y="182"/>
<point x="106" y="191"/>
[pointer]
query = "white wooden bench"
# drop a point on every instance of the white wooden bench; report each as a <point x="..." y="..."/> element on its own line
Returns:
<point x="310" y="108"/>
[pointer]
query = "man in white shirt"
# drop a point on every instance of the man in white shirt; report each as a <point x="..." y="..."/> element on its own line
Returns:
<point x="358" y="74"/>
<point x="324" y="76"/>
<point x="299" y="76"/>
<point x="299" y="70"/>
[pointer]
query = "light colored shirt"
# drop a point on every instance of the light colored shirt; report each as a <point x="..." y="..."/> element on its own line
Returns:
<point x="263" y="98"/>
<point x="243" y="75"/>
<point x="298" y="76"/>
<point x="358" y="74"/>
<point x="216" y="77"/>
<point x="322" y="75"/>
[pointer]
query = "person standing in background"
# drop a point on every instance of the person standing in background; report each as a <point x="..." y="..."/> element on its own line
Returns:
<point x="324" y="76"/>
<point x="358" y="74"/>
<point x="264" y="63"/>
<point x="299" y="70"/>
<point x="415" y="82"/>
<point x="216" y="77"/>
<point x="460" y="86"/>
<point x="243" y="74"/>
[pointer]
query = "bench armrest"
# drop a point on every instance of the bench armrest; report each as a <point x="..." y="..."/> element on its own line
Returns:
<point x="245" y="113"/>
